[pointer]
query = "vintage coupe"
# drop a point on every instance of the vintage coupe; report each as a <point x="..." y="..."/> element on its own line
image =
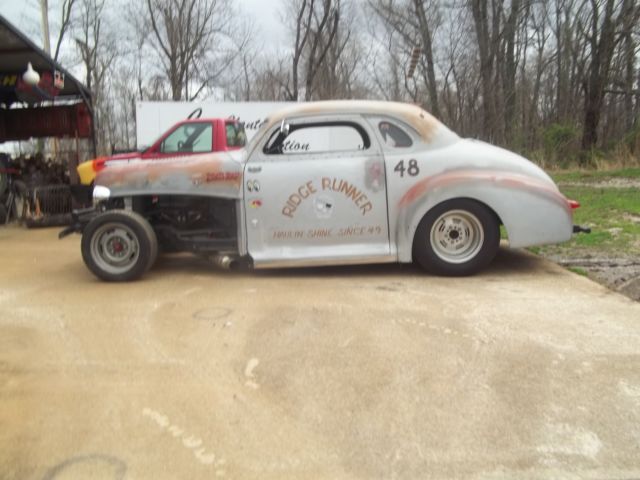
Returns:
<point x="326" y="183"/>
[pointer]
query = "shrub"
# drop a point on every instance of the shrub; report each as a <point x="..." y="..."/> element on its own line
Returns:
<point x="560" y="143"/>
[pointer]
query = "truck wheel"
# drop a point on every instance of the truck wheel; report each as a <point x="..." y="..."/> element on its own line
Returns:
<point x="119" y="245"/>
<point x="457" y="237"/>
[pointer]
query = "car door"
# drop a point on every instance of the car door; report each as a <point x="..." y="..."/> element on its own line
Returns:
<point x="315" y="193"/>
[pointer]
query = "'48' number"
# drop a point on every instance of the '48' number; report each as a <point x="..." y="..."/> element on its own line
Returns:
<point x="412" y="170"/>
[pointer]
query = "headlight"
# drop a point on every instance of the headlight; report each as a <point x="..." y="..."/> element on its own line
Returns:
<point x="100" y="194"/>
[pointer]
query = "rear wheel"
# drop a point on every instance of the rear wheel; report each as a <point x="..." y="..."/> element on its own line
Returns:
<point x="457" y="237"/>
<point x="119" y="245"/>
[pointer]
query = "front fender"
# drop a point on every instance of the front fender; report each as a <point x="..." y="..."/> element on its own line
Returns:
<point x="532" y="210"/>
<point x="211" y="174"/>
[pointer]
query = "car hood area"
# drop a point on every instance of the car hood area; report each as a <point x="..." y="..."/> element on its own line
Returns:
<point x="212" y="174"/>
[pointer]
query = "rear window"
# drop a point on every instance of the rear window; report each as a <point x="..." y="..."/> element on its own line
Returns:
<point x="393" y="135"/>
<point x="236" y="136"/>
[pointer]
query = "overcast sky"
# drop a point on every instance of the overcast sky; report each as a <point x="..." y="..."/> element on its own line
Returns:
<point x="266" y="16"/>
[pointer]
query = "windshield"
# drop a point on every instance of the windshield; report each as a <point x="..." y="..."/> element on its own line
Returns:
<point x="189" y="138"/>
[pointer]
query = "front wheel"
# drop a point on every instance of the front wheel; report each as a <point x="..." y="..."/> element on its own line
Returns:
<point x="457" y="237"/>
<point x="119" y="245"/>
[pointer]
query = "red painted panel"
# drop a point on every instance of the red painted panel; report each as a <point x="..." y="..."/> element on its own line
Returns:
<point x="57" y="121"/>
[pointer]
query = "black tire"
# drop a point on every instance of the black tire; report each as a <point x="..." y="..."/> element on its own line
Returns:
<point x="456" y="238"/>
<point x="134" y="252"/>
<point x="3" y="214"/>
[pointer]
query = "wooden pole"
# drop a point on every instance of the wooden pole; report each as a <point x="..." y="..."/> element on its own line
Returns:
<point x="44" y="10"/>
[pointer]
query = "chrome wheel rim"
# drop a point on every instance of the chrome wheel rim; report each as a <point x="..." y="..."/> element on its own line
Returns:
<point x="457" y="236"/>
<point x="115" y="248"/>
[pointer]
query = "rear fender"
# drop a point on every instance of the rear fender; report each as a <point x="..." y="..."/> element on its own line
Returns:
<point x="532" y="211"/>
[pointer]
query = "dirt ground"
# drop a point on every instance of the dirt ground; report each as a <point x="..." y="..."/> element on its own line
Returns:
<point x="525" y="371"/>
<point x="620" y="273"/>
<point x="617" y="270"/>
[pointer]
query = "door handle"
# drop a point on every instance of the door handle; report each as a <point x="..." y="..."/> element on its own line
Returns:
<point x="254" y="169"/>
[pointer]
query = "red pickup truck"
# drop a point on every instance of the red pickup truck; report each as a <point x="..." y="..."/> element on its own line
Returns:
<point x="188" y="137"/>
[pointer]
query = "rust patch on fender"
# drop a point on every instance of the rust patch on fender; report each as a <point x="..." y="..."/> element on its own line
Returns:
<point x="203" y="170"/>
<point x="509" y="180"/>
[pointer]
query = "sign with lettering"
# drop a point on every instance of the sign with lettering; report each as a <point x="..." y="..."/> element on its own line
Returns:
<point x="338" y="185"/>
<point x="155" y="118"/>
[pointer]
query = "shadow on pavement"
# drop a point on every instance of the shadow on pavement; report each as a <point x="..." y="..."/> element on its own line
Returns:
<point x="507" y="262"/>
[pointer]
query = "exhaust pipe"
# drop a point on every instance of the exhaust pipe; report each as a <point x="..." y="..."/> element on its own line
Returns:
<point x="581" y="229"/>
<point x="226" y="262"/>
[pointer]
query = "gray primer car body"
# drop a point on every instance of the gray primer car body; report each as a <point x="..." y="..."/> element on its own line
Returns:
<point x="354" y="206"/>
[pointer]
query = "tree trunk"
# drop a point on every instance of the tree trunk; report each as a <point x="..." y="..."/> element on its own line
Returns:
<point x="480" y="17"/>
<point x="427" y="48"/>
<point x="602" y="53"/>
<point x="510" y="68"/>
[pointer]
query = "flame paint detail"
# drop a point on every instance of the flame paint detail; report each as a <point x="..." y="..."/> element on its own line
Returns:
<point x="499" y="179"/>
<point x="199" y="171"/>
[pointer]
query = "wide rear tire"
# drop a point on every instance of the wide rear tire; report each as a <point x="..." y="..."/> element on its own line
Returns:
<point x="456" y="238"/>
<point x="119" y="245"/>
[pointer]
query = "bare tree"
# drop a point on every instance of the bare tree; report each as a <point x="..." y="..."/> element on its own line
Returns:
<point x="338" y="76"/>
<point x="304" y="10"/>
<point x="315" y="31"/>
<point x="98" y="50"/>
<point x="271" y="80"/>
<point x="413" y="27"/>
<point x="486" y="17"/>
<point x="527" y="74"/>
<point x="517" y="14"/>
<point x="193" y="41"/>
<point x="601" y="37"/>
<point x="65" y="24"/>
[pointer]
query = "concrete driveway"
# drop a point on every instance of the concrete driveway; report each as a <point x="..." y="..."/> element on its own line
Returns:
<point x="525" y="371"/>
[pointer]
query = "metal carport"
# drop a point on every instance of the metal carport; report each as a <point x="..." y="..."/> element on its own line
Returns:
<point x="58" y="106"/>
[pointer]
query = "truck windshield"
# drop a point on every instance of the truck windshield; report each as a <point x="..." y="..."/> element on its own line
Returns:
<point x="190" y="137"/>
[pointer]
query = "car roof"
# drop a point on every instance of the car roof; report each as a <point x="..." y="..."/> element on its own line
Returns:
<point x="424" y="123"/>
<point x="207" y="119"/>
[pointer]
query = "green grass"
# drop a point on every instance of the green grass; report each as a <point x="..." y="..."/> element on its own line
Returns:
<point x="612" y="213"/>
<point x="595" y="175"/>
<point x="579" y="271"/>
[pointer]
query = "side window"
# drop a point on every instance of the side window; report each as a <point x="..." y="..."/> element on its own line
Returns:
<point x="393" y="135"/>
<point x="322" y="137"/>
<point x="236" y="136"/>
<point x="189" y="138"/>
